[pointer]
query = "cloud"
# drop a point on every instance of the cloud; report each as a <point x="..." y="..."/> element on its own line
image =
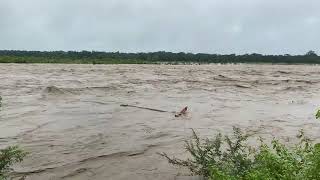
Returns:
<point x="211" y="26"/>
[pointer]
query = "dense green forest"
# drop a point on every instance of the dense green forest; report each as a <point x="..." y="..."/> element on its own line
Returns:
<point x="96" y="57"/>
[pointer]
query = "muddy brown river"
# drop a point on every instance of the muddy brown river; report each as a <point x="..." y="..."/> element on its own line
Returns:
<point x="69" y="118"/>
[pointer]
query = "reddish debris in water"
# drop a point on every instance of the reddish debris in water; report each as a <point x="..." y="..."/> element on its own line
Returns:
<point x="182" y="112"/>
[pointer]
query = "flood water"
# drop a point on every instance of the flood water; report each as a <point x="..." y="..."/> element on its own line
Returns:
<point x="69" y="118"/>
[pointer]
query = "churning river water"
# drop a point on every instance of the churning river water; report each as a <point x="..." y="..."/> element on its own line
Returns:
<point x="69" y="118"/>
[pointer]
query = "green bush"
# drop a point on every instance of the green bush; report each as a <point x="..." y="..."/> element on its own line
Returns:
<point x="8" y="157"/>
<point x="231" y="158"/>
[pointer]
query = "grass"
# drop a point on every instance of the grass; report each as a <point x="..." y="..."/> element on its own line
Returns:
<point x="231" y="158"/>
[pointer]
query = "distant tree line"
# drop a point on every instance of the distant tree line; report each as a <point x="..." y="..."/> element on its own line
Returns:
<point x="97" y="57"/>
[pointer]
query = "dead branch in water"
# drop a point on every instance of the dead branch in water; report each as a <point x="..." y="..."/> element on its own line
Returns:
<point x="151" y="109"/>
<point x="182" y="112"/>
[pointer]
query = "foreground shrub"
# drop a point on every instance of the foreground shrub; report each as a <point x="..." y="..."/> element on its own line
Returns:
<point x="8" y="157"/>
<point x="231" y="158"/>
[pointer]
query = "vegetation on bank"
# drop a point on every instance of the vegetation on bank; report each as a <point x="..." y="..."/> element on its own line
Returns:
<point x="231" y="158"/>
<point x="9" y="156"/>
<point x="95" y="57"/>
<point x="318" y="114"/>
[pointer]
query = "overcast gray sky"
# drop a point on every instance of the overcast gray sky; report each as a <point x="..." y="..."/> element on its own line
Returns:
<point x="209" y="26"/>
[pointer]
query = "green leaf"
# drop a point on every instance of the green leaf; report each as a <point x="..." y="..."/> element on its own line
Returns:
<point x="317" y="146"/>
<point x="318" y="114"/>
